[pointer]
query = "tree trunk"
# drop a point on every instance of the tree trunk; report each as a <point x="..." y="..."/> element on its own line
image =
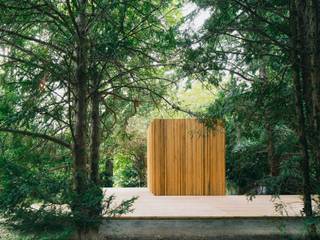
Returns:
<point x="299" y="108"/>
<point x="81" y="125"/>
<point x="313" y="12"/>
<point x="272" y="158"/>
<point x="109" y="172"/>
<point x="309" y="50"/>
<point x="296" y="33"/>
<point x="81" y="208"/>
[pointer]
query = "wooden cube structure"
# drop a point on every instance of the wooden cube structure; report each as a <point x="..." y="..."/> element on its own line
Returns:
<point x="185" y="158"/>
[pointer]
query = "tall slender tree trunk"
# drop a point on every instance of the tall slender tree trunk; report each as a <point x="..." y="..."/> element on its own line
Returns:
<point x="272" y="158"/>
<point x="303" y="142"/>
<point x="81" y="125"/>
<point x="300" y="111"/>
<point x="80" y="206"/>
<point x="309" y="51"/>
<point x="305" y="165"/>
<point x="313" y="12"/>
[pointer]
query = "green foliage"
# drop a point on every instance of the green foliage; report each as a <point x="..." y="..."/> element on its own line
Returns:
<point x="125" y="175"/>
<point x="257" y="115"/>
<point x="241" y="160"/>
<point x="241" y="49"/>
<point x="34" y="188"/>
<point x="139" y="66"/>
<point x="56" y="54"/>
<point x="36" y="195"/>
<point x="126" y="206"/>
<point x="30" y="175"/>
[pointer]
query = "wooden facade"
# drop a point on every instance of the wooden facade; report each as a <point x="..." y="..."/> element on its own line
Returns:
<point x="185" y="158"/>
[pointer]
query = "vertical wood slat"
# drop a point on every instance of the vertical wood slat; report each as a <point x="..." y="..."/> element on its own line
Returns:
<point x="185" y="158"/>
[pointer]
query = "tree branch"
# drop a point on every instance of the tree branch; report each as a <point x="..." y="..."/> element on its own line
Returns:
<point x="50" y="45"/>
<point x="38" y="135"/>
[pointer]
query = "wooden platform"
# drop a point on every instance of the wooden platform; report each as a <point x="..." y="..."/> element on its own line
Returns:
<point x="230" y="206"/>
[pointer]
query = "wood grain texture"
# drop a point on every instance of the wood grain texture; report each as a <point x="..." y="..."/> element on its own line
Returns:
<point x="185" y="158"/>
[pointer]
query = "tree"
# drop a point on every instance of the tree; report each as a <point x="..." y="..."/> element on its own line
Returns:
<point x="68" y="61"/>
<point x="253" y="41"/>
